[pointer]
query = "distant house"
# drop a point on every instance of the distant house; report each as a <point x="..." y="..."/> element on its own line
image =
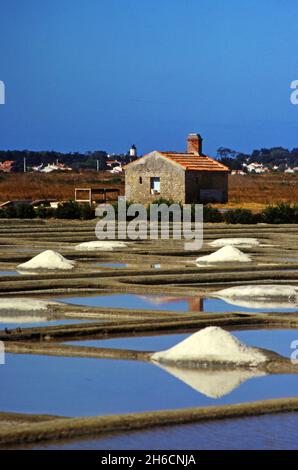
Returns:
<point x="183" y="177"/>
<point x="6" y="166"/>
<point x="256" y="167"/>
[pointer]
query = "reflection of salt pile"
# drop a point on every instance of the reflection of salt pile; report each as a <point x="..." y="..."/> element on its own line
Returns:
<point x="12" y="310"/>
<point x="104" y="245"/>
<point x="245" y="242"/>
<point x="212" y="383"/>
<point x="261" y="296"/>
<point x="227" y="254"/>
<point x="211" y="345"/>
<point x="48" y="259"/>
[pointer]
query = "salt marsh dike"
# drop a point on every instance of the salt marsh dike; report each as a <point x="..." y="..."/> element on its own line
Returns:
<point x="215" y="302"/>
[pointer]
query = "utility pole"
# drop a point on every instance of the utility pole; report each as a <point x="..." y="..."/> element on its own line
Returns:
<point x="25" y="165"/>
<point x="97" y="165"/>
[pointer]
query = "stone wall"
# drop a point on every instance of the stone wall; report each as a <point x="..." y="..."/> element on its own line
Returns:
<point x="172" y="180"/>
<point x="206" y="180"/>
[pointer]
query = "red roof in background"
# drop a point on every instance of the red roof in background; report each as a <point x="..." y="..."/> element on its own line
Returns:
<point x="195" y="162"/>
<point x="7" y="165"/>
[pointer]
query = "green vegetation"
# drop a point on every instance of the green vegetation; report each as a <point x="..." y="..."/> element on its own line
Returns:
<point x="73" y="210"/>
<point x="211" y="214"/>
<point x="272" y="157"/>
<point x="281" y="213"/>
<point x="241" y="216"/>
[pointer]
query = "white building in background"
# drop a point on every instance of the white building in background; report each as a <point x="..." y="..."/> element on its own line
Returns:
<point x="257" y="168"/>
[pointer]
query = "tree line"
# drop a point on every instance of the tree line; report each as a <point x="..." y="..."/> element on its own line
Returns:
<point x="270" y="157"/>
<point x="75" y="160"/>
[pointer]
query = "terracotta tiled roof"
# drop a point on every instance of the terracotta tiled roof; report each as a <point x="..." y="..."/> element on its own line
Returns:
<point x="192" y="161"/>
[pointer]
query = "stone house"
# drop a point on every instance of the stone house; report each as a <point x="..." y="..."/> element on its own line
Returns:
<point x="183" y="177"/>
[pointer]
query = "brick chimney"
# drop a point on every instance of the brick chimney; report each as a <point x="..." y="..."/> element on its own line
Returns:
<point x="194" y="144"/>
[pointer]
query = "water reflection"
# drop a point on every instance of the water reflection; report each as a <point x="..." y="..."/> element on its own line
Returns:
<point x="261" y="304"/>
<point x="194" y="304"/>
<point x="176" y="303"/>
<point x="212" y="383"/>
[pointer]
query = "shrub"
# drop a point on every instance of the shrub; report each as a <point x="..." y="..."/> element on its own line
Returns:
<point x="68" y="210"/>
<point x="25" y="211"/>
<point x="281" y="213"/>
<point x="240" y="216"/>
<point x="10" y="212"/>
<point x="44" y="212"/>
<point x="168" y="202"/>
<point x="87" y="212"/>
<point x="211" y="214"/>
<point x="116" y="208"/>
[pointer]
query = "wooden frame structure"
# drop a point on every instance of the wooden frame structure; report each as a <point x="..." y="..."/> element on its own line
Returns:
<point x="97" y="196"/>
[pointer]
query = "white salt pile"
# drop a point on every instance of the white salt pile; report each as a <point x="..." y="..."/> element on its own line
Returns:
<point x="212" y="383"/>
<point x="103" y="245"/>
<point x="48" y="259"/>
<point x="227" y="254"/>
<point x="18" y="319"/>
<point x="211" y="345"/>
<point x="244" y="242"/>
<point x="260" y="291"/>
<point x="24" y="304"/>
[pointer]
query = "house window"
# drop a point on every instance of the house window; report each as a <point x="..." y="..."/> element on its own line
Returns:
<point x="140" y="180"/>
<point x="155" y="185"/>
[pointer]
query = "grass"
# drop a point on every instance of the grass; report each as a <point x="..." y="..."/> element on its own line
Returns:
<point x="257" y="191"/>
<point x="59" y="186"/>
<point x="252" y="192"/>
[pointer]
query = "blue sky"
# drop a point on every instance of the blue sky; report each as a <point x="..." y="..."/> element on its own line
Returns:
<point x="102" y="74"/>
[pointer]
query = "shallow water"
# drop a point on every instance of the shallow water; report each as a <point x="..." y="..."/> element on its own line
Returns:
<point x="85" y="386"/>
<point x="139" y="265"/>
<point x="111" y="265"/>
<point x="279" y="341"/>
<point x="287" y="260"/>
<point x="261" y="432"/>
<point x="9" y="273"/>
<point x="33" y="324"/>
<point x="167" y="302"/>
